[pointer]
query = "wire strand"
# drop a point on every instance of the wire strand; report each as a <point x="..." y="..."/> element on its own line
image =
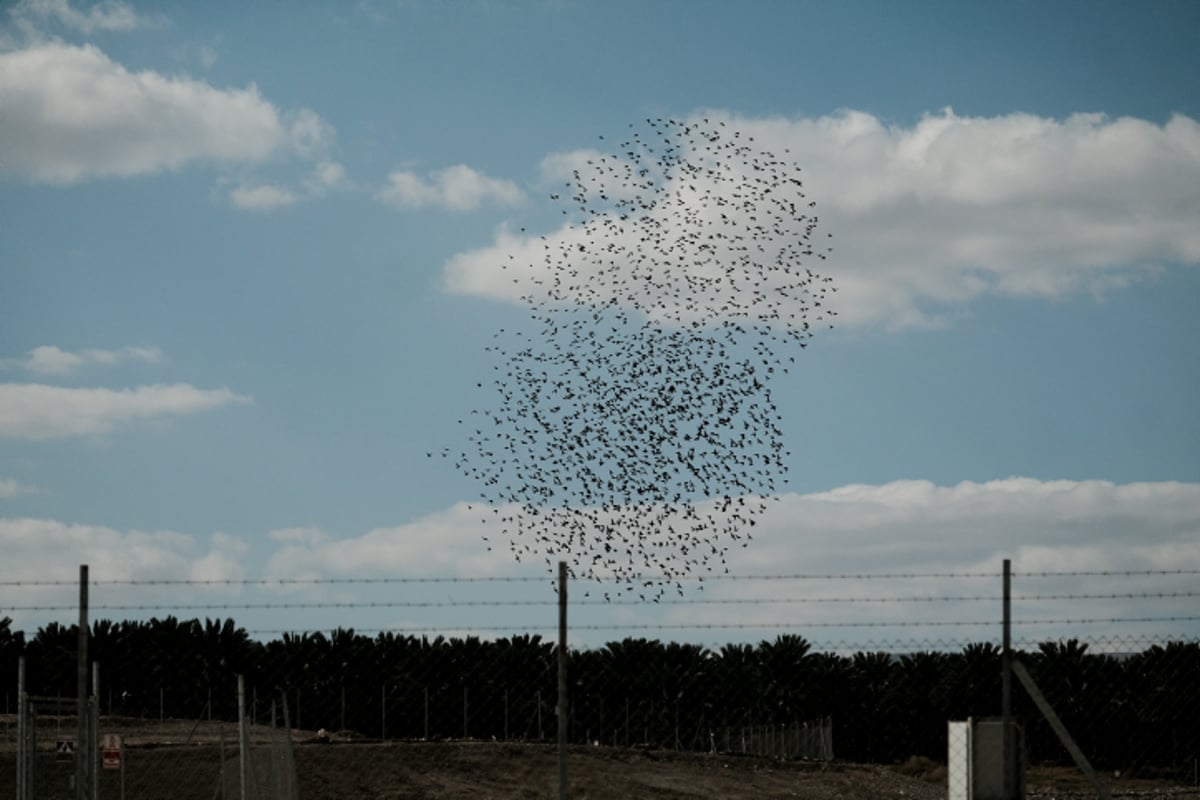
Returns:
<point x="547" y="579"/>
<point x="599" y="603"/>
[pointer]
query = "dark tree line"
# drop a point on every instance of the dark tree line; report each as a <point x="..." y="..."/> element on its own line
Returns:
<point x="1135" y="712"/>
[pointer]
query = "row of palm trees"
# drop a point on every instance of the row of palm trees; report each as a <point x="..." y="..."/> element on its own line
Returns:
<point x="1132" y="712"/>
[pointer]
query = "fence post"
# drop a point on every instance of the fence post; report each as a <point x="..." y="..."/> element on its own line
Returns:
<point x="677" y="723"/>
<point x="562" y="680"/>
<point x="93" y="743"/>
<point x="1007" y="749"/>
<point x="293" y="770"/>
<point x="82" y="687"/>
<point x="627" y="720"/>
<point x="21" y="747"/>
<point x="243" y="748"/>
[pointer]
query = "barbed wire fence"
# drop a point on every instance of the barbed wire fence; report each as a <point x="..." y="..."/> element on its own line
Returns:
<point x="862" y="667"/>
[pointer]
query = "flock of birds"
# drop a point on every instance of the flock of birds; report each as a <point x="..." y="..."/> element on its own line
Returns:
<point x="632" y="431"/>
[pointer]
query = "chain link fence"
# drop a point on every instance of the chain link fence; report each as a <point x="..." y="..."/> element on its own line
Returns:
<point x="339" y="713"/>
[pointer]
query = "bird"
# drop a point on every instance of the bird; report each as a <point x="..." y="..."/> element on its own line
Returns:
<point x="632" y="424"/>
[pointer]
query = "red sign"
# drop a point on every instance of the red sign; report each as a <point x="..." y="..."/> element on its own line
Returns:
<point x="110" y="751"/>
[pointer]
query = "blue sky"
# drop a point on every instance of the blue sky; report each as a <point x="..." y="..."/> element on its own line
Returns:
<point x="247" y="279"/>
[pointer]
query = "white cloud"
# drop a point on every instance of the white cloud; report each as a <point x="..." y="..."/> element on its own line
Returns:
<point x="41" y="551"/>
<point x="324" y="176"/>
<point x="9" y="487"/>
<point x="457" y="188"/>
<point x="208" y="56"/>
<point x="107" y="15"/>
<point x="308" y="134"/>
<point x="901" y="526"/>
<point x="857" y="545"/>
<point x="37" y="411"/>
<point x="52" y="360"/>
<point x="263" y="197"/>
<point x="225" y="560"/>
<point x="929" y="217"/>
<point x="857" y="549"/>
<point x="957" y="537"/>
<point x="444" y="543"/>
<point x="70" y="113"/>
<point x="919" y="526"/>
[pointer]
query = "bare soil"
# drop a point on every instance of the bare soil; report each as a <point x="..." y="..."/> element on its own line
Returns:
<point x="190" y="761"/>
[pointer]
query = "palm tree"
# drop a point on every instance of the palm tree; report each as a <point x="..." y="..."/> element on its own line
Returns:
<point x="919" y="703"/>
<point x="975" y="681"/>
<point x="871" y="682"/>
<point x="738" y="685"/>
<point x="783" y="665"/>
<point x="635" y="665"/>
<point x="1165" y="731"/>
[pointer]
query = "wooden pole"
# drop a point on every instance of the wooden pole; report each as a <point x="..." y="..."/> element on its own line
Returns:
<point x="562" y="680"/>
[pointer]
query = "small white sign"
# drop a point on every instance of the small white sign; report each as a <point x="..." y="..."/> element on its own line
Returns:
<point x="110" y="751"/>
<point x="64" y="750"/>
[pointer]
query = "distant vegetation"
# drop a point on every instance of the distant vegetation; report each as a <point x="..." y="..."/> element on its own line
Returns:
<point x="1133" y="713"/>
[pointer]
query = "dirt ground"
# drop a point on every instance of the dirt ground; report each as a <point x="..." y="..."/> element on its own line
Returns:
<point x="479" y="770"/>
<point x="166" y="767"/>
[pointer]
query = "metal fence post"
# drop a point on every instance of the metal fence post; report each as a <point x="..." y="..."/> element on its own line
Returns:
<point x="562" y="680"/>
<point x="81" y="686"/>
<point x="243" y="744"/>
<point x="1007" y="749"/>
<point x="21" y="723"/>
<point x="93" y="743"/>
